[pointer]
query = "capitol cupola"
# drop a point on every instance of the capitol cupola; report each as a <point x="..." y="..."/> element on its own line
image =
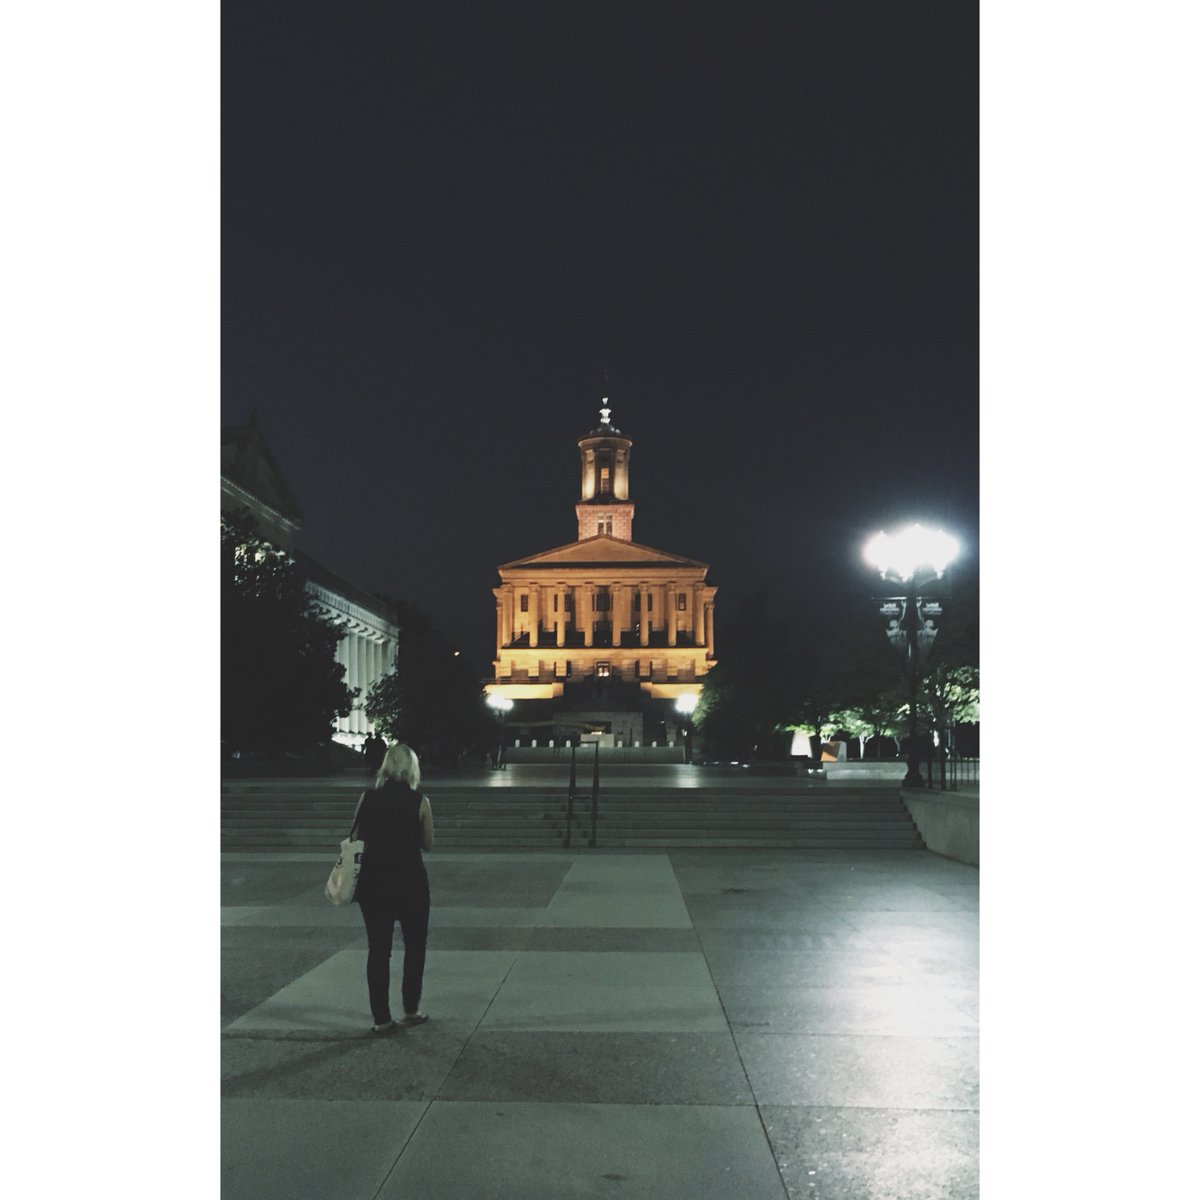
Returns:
<point x="604" y="507"/>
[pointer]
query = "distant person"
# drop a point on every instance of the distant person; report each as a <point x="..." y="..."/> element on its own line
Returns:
<point x="395" y="823"/>
<point x="374" y="748"/>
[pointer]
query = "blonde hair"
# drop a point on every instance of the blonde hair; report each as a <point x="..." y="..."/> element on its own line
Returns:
<point x="400" y="763"/>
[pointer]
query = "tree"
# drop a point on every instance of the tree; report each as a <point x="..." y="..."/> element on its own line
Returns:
<point x="949" y="692"/>
<point x="281" y="686"/>
<point x="747" y="696"/>
<point x="433" y="699"/>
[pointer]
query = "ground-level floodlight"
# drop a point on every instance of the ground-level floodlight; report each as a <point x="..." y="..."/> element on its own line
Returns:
<point x="686" y="703"/>
<point x="501" y="704"/>
<point x="912" y="556"/>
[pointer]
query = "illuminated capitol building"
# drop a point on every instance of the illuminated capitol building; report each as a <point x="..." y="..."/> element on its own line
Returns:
<point x="600" y="637"/>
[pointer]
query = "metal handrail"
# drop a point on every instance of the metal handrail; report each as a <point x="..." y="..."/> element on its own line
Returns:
<point x="570" y="803"/>
<point x="595" y="794"/>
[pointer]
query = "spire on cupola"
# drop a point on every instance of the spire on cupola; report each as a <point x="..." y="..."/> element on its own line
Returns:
<point x="604" y="507"/>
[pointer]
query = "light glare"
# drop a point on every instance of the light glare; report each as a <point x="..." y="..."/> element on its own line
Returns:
<point x="902" y="554"/>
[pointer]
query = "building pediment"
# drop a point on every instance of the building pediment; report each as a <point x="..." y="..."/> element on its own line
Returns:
<point x="602" y="551"/>
<point x="248" y="463"/>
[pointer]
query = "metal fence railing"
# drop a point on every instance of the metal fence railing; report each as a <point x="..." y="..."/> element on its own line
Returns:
<point x="958" y="772"/>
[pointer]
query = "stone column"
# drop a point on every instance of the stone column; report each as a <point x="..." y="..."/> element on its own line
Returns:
<point x="708" y="625"/>
<point x="589" y="615"/>
<point x="364" y="679"/>
<point x="506" y="613"/>
<point x="671" y="615"/>
<point x="535" y="613"/>
<point x="616" y="613"/>
<point x="560" y="617"/>
<point x="698" y="614"/>
<point x="343" y="723"/>
<point x="500" y="638"/>
<point x="644" y="594"/>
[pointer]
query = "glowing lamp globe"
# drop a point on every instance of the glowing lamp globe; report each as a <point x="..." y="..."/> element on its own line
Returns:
<point x="902" y="554"/>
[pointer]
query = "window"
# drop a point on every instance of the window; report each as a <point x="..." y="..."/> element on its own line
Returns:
<point x="604" y="525"/>
<point x="604" y="483"/>
<point x="524" y="603"/>
<point x="603" y="670"/>
<point x="601" y="600"/>
<point x="681" y="602"/>
<point x="649" y="601"/>
<point x="568" y="601"/>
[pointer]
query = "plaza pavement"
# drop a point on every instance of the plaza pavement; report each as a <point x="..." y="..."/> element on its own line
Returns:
<point x="735" y="1024"/>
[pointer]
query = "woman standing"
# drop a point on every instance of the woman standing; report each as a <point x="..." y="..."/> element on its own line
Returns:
<point x="395" y="823"/>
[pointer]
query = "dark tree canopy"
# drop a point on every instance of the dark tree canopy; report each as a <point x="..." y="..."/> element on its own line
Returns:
<point x="281" y="686"/>
<point x="433" y="700"/>
<point x="751" y="690"/>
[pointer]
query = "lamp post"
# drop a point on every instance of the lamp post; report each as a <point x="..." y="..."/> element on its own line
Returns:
<point x="913" y="556"/>
<point x="685" y="705"/>
<point x="501" y="706"/>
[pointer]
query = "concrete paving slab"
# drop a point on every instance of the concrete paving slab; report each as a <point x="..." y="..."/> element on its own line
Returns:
<point x="786" y="940"/>
<point x="901" y="1011"/>
<point x="827" y="927"/>
<point x="544" y="938"/>
<point x="482" y="917"/>
<point x="492" y="1151"/>
<point x="409" y="1064"/>
<point x="955" y="923"/>
<point x="259" y="882"/>
<point x="590" y="1009"/>
<point x="466" y="937"/>
<point x="881" y="897"/>
<point x="858" y="1153"/>
<point x="311" y="916"/>
<point x="609" y="968"/>
<point x="284" y="1149"/>
<point x="863" y="1071"/>
<point x="627" y="891"/>
<point x="254" y="968"/>
<point x="235" y="914"/>
<point x="603" y="1068"/>
<point x="804" y="968"/>
<point x="332" y="997"/>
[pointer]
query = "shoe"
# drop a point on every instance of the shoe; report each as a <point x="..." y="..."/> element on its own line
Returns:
<point x="386" y="1027"/>
<point x="417" y="1018"/>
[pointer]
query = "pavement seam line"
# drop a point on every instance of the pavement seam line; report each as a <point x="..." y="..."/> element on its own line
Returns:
<point x="736" y="1048"/>
<point x="503" y="981"/>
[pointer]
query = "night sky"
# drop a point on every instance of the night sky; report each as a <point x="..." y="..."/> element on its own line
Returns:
<point x="449" y="229"/>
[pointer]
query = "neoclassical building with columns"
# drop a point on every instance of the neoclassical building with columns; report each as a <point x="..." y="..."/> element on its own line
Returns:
<point x="251" y="482"/>
<point x="603" y="633"/>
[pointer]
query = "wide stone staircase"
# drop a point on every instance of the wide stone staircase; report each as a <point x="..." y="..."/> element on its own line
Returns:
<point x="313" y="815"/>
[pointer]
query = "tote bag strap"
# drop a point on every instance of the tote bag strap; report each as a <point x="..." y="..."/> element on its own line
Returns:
<point x="357" y="814"/>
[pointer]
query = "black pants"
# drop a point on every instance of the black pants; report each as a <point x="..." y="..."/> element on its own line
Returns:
<point x="380" y="915"/>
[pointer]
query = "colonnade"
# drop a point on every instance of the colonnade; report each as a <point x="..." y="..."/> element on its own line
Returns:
<point x="642" y="605"/>
<point x="367" y="650"/>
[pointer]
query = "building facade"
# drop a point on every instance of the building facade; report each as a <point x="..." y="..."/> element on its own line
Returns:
<point x="602" y="635"/>
<point x="252" y="483"/>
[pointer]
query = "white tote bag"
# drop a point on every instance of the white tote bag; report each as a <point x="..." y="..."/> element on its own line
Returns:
<point x="343" y="879"/>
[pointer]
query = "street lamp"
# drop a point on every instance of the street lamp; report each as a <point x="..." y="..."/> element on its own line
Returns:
<point x="501" y="705"/>
<point x="685" y="705"/>
<point x="912" y="556"/>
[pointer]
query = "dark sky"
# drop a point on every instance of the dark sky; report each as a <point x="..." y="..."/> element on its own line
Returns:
<point x="443" y="222"/>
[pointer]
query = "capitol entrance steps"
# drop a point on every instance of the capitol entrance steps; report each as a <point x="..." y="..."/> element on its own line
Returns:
<point x="314" y="815"/>
<point x="842" y="819"/>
